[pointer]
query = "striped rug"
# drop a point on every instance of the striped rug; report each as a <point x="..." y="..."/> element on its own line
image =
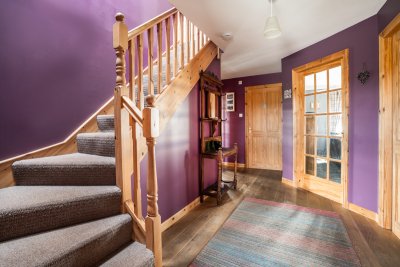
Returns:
<point x="266" y="233"/>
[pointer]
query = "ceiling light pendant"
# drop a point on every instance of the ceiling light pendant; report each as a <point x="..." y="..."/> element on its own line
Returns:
<point x="272" y="29"/>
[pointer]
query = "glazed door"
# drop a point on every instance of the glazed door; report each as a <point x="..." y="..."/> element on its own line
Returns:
<point x="396" y="135"/>
<point x="264" y="127"/>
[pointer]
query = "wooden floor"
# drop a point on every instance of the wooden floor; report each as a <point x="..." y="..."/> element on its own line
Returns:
<point x="185" y="239"/>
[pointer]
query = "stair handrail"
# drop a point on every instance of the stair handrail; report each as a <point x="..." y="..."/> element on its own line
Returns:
<point x="135" y="122"/>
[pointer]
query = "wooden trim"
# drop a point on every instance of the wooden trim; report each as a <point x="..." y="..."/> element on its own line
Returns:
<point x="392" y="27"/>
<point x="232" y="165"/>
<point x="364" y="212"/>
<point x="288" y="182"/>
<point x="68" y="145"/>
<point x="339" y="58"/>
<point x="323" y="188"/>
<point x="145" y="26"/>
<point x="180" y="214"/>
<point x="386" y="123"/>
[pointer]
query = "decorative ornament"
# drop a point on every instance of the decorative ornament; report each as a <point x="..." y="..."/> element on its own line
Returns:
<point x="364" y="75"/>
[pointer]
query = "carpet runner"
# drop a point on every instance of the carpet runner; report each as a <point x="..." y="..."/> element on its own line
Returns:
<point x="266" y="233"/>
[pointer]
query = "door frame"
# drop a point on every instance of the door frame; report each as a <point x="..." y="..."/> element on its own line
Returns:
<point x="386" y="124"/>
<point x="255" y="87"/>
<point x="341" y="57"/>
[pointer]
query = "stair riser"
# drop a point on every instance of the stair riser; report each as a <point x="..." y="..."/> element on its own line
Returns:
<point x="95" y="175"/>
<point x="105" y="124"/>
<point x="96" y="146"/>
<point x="53" y="216"/>
<point x="96" y="250"/>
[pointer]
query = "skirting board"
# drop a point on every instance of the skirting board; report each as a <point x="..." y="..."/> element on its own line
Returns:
<point x="231" y="165"/>
<point x="180" y="214"/>
<point x="287" y="181"/>
<point x="364" y="212"/>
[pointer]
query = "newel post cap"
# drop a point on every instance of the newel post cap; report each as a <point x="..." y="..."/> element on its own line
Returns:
<point x="119" y="17"/>
<point x="120" y="32"/>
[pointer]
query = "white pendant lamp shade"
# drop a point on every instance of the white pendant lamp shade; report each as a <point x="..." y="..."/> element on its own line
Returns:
<point x="272" y="29"/>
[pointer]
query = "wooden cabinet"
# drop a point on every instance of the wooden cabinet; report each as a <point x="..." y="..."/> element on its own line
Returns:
<point x="211" y="136"/>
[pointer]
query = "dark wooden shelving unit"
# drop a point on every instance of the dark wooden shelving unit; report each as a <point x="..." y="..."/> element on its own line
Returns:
<point x="211" y="143"/>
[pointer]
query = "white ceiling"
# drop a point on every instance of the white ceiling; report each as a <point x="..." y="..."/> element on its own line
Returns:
<point x="303" y="22"/>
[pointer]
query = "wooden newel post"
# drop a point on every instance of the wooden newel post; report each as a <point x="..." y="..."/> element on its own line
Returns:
<point x="151" y="127"/>
<point x="120" y="44"/>
<point x="123" y="142"/>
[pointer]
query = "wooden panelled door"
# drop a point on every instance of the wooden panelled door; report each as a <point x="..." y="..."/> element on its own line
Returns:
<point x="396" y="134"/>
<point x="264" y="127"/>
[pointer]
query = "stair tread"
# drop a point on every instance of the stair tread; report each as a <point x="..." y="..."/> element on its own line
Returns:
<point x="97" y="135"/>
<point x="70" y="169"/>
<point x="68" y="245"/>
<point x="32" y="209"/>
<point x="142" y="256"/>
<point x="31" y="197"/>
<point x="74" y="160"/>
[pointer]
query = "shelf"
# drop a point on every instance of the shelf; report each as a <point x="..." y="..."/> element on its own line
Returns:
<point x="213" y="119"/>
<point x="212" y="189"/>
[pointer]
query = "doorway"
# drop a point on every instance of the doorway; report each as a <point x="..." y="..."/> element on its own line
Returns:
<point x="320" y="106"/>
<point x="389" y="127"/>
<point x="264" y="126"/>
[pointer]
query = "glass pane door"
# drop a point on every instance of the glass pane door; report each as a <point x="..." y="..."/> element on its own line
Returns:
<point x="323" y="124"/>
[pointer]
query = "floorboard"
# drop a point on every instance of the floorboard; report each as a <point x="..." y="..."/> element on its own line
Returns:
<point x="186" y="238"/>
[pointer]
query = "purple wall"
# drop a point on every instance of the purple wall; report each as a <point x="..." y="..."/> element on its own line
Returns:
<point x="387" y="13"/>
<point x="362" y="41"/>
<point x="57" y="65"/>
<point x="177" y="156"/>
<point x="234" y="128"/>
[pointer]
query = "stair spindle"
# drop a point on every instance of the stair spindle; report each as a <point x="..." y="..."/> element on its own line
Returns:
<point x="175" y="37"/>
<point x="140" y="93"/>
<point x="150" y="56"/>
<point x="160" y="57"/>
<point x="182" y="40"/>
<point x="168" y="49"/>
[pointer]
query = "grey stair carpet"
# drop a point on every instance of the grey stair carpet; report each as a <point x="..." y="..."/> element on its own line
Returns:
<point x="143" y="258"/>
<point x="99" y="143"/>
<point x="105" y="123"/>
<point x="80" y="245"/>
<point x="70" y="169"/>
<point x="31" y="209"/>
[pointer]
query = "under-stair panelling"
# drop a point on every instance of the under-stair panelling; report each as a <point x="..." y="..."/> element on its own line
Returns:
<point x="80" y="245"/>
<point x="31" y="209"/>
<point x="70" y="169"/>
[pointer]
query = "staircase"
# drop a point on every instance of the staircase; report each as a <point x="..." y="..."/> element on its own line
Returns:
<point x="84" y="208"/>
<point x="65" y="210"/>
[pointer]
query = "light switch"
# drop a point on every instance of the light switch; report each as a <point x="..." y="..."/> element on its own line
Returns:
<point x="240" y="115"/>
<point x="240" y="82"/>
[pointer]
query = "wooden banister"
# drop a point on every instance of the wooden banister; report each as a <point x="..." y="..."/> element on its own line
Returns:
<point x="149" y="24"/>
<point x="136" y="124"/>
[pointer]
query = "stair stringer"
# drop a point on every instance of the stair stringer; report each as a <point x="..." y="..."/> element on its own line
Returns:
<point x="176" y="92"/>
